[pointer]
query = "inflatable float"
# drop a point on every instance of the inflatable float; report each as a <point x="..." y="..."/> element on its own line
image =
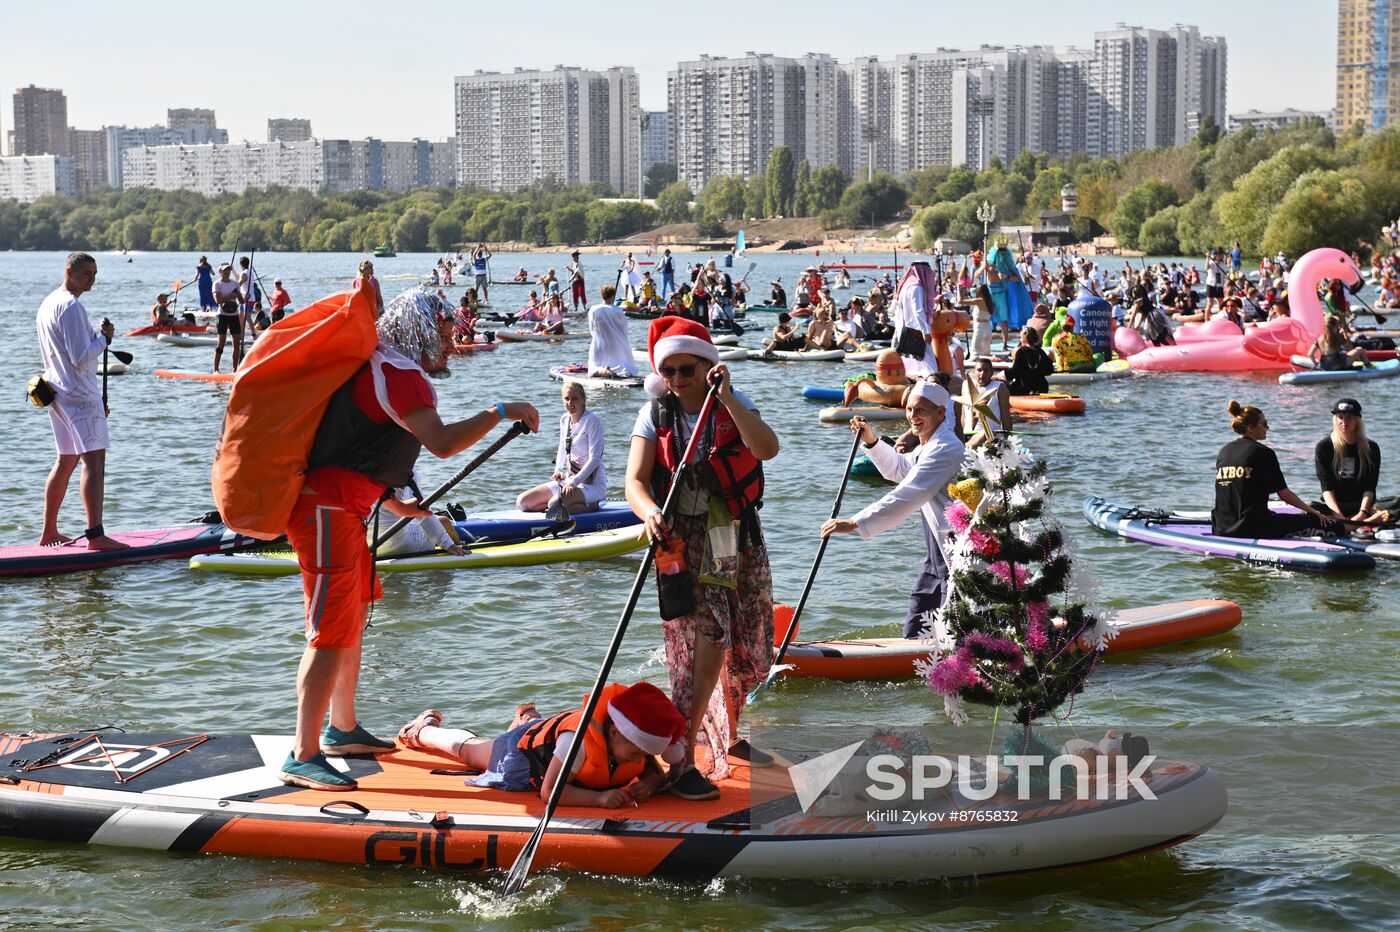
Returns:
<point x="578" y="373"/>
<point x="1381" y="370"/>
<point x="1192" y="532"/>
<point x="206" y="794"/>
<point x="194" y="374"/>
<point x="596" y="546"/>
<point x="1219" y="346"/>
<point x="1137" y="629"/>
<point x="513" y="525"/>
<point x="169" y="543"/>
<point x="1049" y="403"/>
<point x="151" y="330"/>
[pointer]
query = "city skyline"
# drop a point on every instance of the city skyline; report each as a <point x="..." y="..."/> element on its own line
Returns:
<point x="410" y="93"/>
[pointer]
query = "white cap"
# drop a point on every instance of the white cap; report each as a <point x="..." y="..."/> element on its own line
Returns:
<point x="932" y="392"/>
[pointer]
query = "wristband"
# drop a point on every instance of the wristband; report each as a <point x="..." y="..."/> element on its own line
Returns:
<point x="654" y="510"/>
<point x="501" y="409"/>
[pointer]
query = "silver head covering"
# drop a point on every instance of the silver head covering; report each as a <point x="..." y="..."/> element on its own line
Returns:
<point x="411" y="323"/>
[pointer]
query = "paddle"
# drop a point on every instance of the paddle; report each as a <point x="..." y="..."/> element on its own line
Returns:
<point x="516" y="430"/>
<point x="515" y="880"/>
<point x="1380" y="318"/>
<point x="811" y="577"/>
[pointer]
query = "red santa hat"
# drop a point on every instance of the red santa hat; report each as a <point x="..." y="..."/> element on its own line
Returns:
<point x="648" y="719"/>
<point x="672" y="336"/>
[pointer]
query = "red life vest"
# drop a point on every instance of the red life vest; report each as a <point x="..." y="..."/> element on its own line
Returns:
<point x="726" y="467"/>
<point x="599" y="770"/>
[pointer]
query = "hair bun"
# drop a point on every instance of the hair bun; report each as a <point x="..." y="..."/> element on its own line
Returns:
<point x="1235" y="408"/>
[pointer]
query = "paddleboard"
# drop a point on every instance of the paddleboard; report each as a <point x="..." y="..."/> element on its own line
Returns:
<point x="473" y="347"/>
<point x="864" y="466"/>
<point x="870" y="413"/>
<point x="153" y="329"/>
<point x="1049" y="403"/>
<point x="1386" y="369"/>
<point x="169" y="543"/>
<point x="1190" y="533"/>
<point x="514" y="525"/>
<point x="219" y="794"/>
<point x="112" y="368"/>
<point x="525" y="336"/>
<point x="579" y="374"/>
<point x="1113" y="369"/>
<point x="1380" y="549"/>
<point x="1150" y="626"/>
<point x="798" y="355"/>
<point x="180" y="339"/>
<point x="724" y="339"/>
<point x="198" y="376"/>
<point x="597" y="546"/>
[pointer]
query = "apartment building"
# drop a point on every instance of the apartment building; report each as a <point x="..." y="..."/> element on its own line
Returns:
<point x="1274" y="119"/>
<point x="288" y="130"/>
<point x="1368" y="63"/>
<point x="27" y="178"/>
<point x="569" y="125"/>
<point x="41" y="122"/>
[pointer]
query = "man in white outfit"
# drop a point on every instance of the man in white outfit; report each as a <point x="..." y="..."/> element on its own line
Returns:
<point x="914" y="309"/>
<point x="609" y="352"/>
<point x="70" y="350"/>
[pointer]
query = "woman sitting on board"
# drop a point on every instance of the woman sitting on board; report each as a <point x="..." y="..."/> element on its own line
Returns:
<point x="631" y="726"/>
<point x="1030" y="366"/>
<point x="821" y="332"/>
<point x="1333" y="351"/>
<point x="1348" y="467"/>
<point x="579" y="482"/>
<point x="552" y="316"/>
<point x="1246" y="474"/>
<point x="923" y="475"/>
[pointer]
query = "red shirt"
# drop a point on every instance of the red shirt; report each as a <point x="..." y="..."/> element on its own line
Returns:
<point x="280" y="298"/>
<point x="408" y="391"/>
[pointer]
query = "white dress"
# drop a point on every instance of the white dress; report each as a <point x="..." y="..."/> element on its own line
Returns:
<point x="610" y="347"/>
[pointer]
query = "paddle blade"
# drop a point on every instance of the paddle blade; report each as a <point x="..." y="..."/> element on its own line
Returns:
<point x="782" y="620"/>
<point x="515" y="880"/>
<point x="123" y="357"/>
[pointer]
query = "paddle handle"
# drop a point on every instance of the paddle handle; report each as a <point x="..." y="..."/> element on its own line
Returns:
<point x="106" y="351"/>
<point x="515" y="880"/>
<point x="817" y="562"/>
<point x="516" y="430"/>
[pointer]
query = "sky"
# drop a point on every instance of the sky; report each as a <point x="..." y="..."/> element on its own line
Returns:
<point x="385" y="69"/>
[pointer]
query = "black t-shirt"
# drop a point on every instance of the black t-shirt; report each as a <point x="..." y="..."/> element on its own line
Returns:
<point x="1353" y="480"/>
<point x="1246" y="474"/>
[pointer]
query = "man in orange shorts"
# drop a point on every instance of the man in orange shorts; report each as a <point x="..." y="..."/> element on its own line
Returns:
<point x="370" y="435"/>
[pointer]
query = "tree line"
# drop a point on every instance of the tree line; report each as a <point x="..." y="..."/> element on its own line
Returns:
<point x="1285" y="190"/>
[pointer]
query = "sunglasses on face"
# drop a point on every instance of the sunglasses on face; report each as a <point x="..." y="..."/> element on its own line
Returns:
<point x="670" y="372"/>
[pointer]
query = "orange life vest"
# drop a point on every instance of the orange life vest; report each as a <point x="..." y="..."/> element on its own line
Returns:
<point x="599" y="770"/>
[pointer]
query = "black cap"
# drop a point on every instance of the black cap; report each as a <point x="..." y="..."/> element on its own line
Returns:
<point x="1347" y="406"/>
<point x="784" y="317"/>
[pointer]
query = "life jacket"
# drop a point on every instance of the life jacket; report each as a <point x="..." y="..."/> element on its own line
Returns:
<point x="726" y="468"/>
<point x="279" y="395"/>
<point x="599" y="770"/>
<point x="349" y="439"/>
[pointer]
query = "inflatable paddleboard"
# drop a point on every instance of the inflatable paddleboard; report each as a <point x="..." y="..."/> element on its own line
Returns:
<point x="596" y="546"/>
<point x="153" y="329"/>
<point x="112" y="368"/>
<point x="181" y="339"/>
<point x="209" y="794"/>
<point x="525" y="336"/>
<point x="798" y="355"/>
<point x="864" y="466"/>
<point x="1380" y="549"/>
<point x="1382" y="370"/>
<point x="1193" y="533"/>
<point x="169" y="543"/>
<point x="579" y="374"/>
<point x="197" y="375"/>
<point x="724" y="339"/>
<point x="869" y="412"/>
<point x="888" y="658"/>
<point x="1049" y="403"/>
<point x="474" y="347"/>
<point x="513" y="525"/>
<point x="1113" y="369"/>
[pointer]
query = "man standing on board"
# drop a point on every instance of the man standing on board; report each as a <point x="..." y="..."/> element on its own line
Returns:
<point x="70" y="350"/>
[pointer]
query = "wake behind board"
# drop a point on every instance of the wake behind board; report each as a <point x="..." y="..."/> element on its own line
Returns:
<point x="171" y="543"/>
<point x="596" y="546"/>
<point x="220" y="794"/>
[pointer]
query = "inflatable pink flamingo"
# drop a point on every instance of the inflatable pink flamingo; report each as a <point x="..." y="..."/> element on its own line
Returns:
<point x="1216" y="348"/>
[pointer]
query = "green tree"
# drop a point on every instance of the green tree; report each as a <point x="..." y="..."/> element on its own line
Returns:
<point x="445" y="232"/>
<point x="755" y="193"/>
<point x="1045" y="192"/>
<point x="780" y="183"/>
<point x="723" y="198"/>
<point x="802" y="190"/>
<point x="1158" y="234"/>
<point x="1197" y="227"/>
<point x="1244" y="211"/>
<point x="1136" y="206"/>
<point x="568" y="224"/>
<point x="673" y="203"/>
<point x="1323" y="208"/>
<point x="658" y="177"/>
<point x="411" y="230"/>
<point x="1208" y="133"/>
<point x="930" y="223"/>
<point x="958" y="184"/>
<point x="871" y="203"/>
<point x="828" y="184"/>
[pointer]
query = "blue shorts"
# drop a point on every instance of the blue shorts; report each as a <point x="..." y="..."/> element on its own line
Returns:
<point x="508" y="767"/>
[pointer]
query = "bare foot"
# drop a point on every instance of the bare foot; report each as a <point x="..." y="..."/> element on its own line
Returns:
<point x="54" y="540"/>
<point x="103" y="542"/>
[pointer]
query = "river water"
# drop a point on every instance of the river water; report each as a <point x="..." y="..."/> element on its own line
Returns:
<point x="160" y="648"/>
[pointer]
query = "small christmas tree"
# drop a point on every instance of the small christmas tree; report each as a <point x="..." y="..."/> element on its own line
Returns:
<point x="1017" y="631"/>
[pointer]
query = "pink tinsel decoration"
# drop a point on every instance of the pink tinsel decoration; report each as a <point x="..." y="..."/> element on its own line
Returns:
<point x="953" y="674"/>
<point x="1003" y="569"/>
<point x="1003" y="649"/>
<point x="1035" y="638"/>
<point x="984" y="543"/>
<point x="959" y="516"/>
<point x="1038" y="612"/>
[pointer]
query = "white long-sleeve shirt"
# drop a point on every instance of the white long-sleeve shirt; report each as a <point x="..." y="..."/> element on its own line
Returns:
<point x="922" y="475"/>
<point x="913" y="314"/>
<point x="585" y="472"/>
<point x="609" y="347"/>
<point x="68" y="346"/>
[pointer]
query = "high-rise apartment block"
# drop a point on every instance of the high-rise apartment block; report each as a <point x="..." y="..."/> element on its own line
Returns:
<point x="27" y="178"/>
<point x="288" y="130"/>
<point x="729" y="114"/>
<point x="656" y="139"/>
<point x="182" y="128"/>
<point x="568" y="125"/>
<point x="197" y="123"/>
<point x="1368" y="64"/>
<point x="41" y="122"/>
<point x="89" y="147"/>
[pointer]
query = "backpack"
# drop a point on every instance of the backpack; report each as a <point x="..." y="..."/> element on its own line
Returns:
<point x="279" y="397"/>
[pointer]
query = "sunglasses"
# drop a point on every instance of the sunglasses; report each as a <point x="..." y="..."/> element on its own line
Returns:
<point x="670" y="372"/>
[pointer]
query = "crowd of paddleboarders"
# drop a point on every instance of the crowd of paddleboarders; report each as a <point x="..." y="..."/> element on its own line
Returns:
<point x="694" y="473"/>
